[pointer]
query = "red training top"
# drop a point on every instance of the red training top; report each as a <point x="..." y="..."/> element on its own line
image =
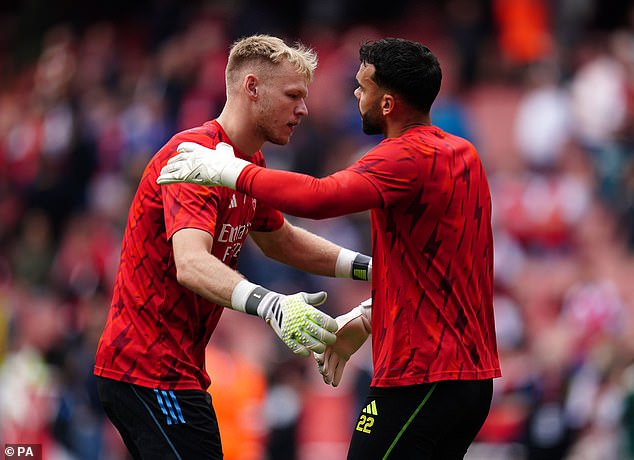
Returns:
<point x="432" y="286"/>
<point x="157" y="330"/>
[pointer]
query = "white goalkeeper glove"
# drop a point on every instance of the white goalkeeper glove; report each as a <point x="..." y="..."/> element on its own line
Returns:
<point x="294" y="318"/>
<point x="200" y="165"/>
<point x="354" y="329"/>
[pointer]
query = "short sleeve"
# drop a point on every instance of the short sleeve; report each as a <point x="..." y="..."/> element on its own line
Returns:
<point x="189" y="206"/>
<point x="267" y="219"/>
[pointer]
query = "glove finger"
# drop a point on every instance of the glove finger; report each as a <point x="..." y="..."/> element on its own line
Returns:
<point x="319" y="333"/>
<point x="310" y="342"/>
<point x="331" y="362"/>
<point x="323" y="321"/>
<point x="326" y="364"/>
<point x="165" y="179"/>
<point x="319" y="317"/>
<point x="187" y="147"/>
<point x="322" y="368"/>
<point x="316" y="298"/>
<point x="320" y="362"/>
<point x="181" y="173"/>
<point x="338" y="373"/>
<point x="172" y="168"/>
<point x="313" y="344"/>
<point x="225" y="148"/>
<point x="305" y="352"/>
<point x="296" y="347"/>
<point x="180" y="157"/>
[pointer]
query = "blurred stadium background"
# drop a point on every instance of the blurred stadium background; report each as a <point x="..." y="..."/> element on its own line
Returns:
<point x="545" y="90"/>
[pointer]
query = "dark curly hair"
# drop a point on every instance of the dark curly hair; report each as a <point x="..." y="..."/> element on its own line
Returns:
<point x="405" y="67"/>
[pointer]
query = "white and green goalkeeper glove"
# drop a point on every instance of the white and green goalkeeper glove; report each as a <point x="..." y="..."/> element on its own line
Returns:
<point x="200" y="165"/>
<point x="294" y="318"/>
<point x="354" y="329"/>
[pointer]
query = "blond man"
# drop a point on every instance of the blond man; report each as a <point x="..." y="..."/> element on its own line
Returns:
<point x="178" y="265"/>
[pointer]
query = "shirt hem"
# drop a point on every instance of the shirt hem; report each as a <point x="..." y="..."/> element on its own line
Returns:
<point x="420" y="379"/>
<point x="147" y="383"/>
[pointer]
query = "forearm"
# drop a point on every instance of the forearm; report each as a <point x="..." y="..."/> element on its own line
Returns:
<point x="209" y="278"/>
<point x="342" y="193"/>
<point x="301" y="249"/>
<point x="311" y="253"/>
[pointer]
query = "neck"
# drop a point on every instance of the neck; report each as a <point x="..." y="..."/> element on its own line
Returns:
<point x="398" y="128"/>
<point x="242" y="136"/>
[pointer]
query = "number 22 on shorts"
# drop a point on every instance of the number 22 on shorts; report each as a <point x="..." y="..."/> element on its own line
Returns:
<point x="366" y="419"/>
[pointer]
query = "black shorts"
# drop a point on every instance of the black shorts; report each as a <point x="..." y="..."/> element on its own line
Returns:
<point x="162" y="424"/>
<point x="421" y="422"/>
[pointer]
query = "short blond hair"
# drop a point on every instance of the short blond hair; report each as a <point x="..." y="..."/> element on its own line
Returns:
<point x="271" y="50"/>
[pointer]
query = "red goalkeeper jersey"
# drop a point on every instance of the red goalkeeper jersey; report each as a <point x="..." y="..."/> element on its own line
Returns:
<point x="432" y="286"/>
<point x="157" y="330"/>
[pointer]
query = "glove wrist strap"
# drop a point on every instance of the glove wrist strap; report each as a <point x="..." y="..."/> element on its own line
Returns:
<point x="254" y="300"/>
<point x="246" y="297"/>
<point x="362" y="268"/>
<point x="353" y="265"/>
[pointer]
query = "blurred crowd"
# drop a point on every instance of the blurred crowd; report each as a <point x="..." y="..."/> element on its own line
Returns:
<point x="543" y="88"/>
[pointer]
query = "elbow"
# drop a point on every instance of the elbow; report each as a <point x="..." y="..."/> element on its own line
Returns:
<point x="185" y="275"/>
<point x="184" y="278"/>
<point x="317" y="211"/>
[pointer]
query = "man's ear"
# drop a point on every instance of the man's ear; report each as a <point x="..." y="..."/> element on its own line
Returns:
<point x="251" y="86"/>
<point x="387" y="104"/>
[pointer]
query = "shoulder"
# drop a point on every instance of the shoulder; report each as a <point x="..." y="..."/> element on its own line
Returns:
<point x="208" y="134"/>
<point x="443" y="139"/>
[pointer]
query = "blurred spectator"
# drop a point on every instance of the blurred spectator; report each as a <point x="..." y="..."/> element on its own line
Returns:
<point x="524" y="30"/>
<point x="543" y="125"/>
<point x="546" y="92"/>
<point x="598" y="91"/>
<point x="238" y="390"/>
<point x="32" y="256"/>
